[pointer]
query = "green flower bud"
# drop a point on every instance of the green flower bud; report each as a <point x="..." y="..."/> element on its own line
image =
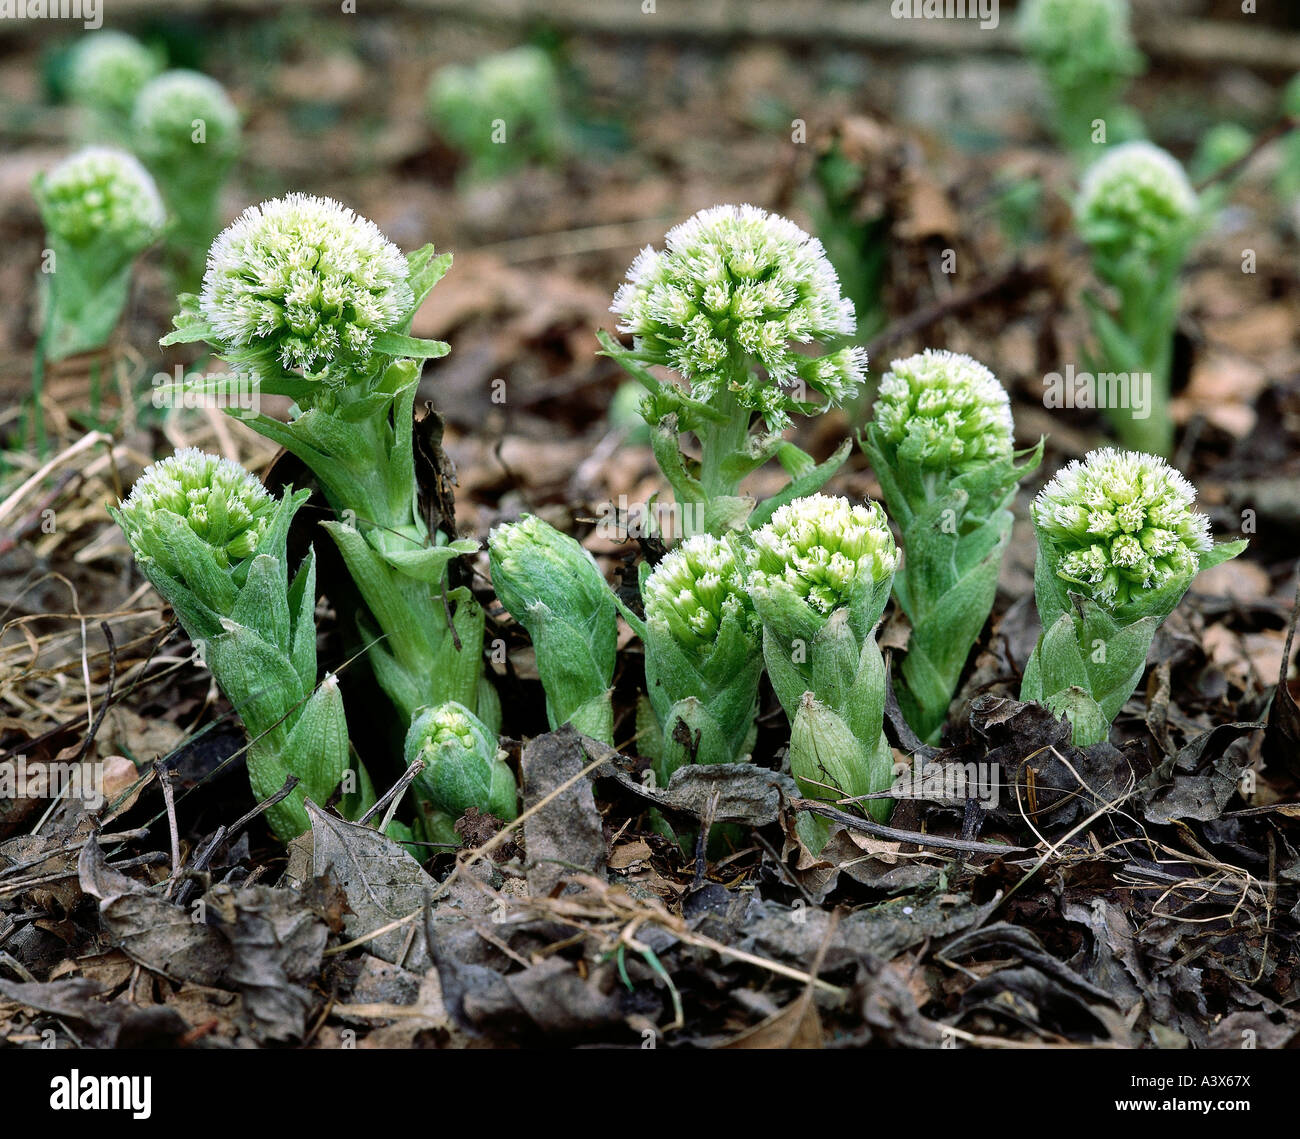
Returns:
<point x="1118" y="546"/>
<point x="737" y="288"/>
<point x="943" y="411"/>
<point x="108" y="69"/>
<point x="103" y="198"/>
<point x="301" y="283"/>
<point x="1135" y="203"/>
<point x="1221" y="146"/>
<point x="464" y="768"/>
<point x="553" y="587"/>
<point x="702" y="660"/>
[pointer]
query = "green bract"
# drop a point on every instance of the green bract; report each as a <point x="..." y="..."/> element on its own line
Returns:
<point x="1086" y="52"/>
<point x="940" y="441"/>
<point x="105" y="72"/>
<point x="502" y="111"/>
<point x="186" y="130"/>
<point x="1118" y="546"/>
<point x="211" y="540"/>
<point x="702" y="659"/>
<point x="820" y="575"/>
<point x="464" y="768"/>
<point x="1138" y="213"/>
<point x="553" y="587"/>
<point x="101" y="209"/>
<point x="734" y="304"/>
<point x="316" y="304"/>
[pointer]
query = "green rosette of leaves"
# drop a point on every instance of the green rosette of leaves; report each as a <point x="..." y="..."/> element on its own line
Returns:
<point x="185" y="129"/>
<point x="305" y="299"/>
<point x="555" y="590"/>
<point x="702" y="656"/>
<point x="940" y="441"/>
<point x="733" y="304"/>
<point x="211" y="540"/>
<point x="464" y="769"/>
<point x="1118" y="546"/>
<point x="820" y="574"/>
<point x="1138" y="214"/>
<point x="101" y="210"/>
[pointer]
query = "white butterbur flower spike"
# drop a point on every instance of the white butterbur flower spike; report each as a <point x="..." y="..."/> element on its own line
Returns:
<point x="223" y="504"/>
<point x="942" y="444"/>
<point x="1086" y="52"/>
<point x="820" y="575"/>
<point x="100" y="194"/>
<point x="1122" y="523"/>
<point x="101" y="209"/>
<point x="1118" y="546"/>
<point x="305" y="299"/>
<point x="943" y="410"/>
<point x="1138" y="213"/>
<point x="737" y="288"/>
<point x="464" y="767"/>
<point x="107" y="69"/>
<point x="702" y="660"/>
<point x="1135" y="199"/>
<point x="213" y="542"/>
<point x="746" y="307"/>
<point x="302" y="283"/>
<point x="186" y="129"/>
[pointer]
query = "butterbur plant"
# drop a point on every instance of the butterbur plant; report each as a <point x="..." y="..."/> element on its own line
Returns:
<point x="186" y="130"/>
<point x="307" y="300"/>
<point x="1118" y="546"/>
<point x="702" y="658"/>
<point x="106" y="71"/>
<point x="1138" y="213"/>
<point x="820" y="574"/>
<point x="211" y="540"/>
<point x="1085" y="52"/>
<point x="101" y="210"/>
<point x="737" y="304"/>
<point x="553" y="587"/>
<point x="501" y="111"/>
<point x="940" y="442"/>
<point x="464" y="769"/>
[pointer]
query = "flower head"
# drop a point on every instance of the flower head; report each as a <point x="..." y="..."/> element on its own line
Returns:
<point x="101" y="194"/>
<point x="696" y="589"/>
<point x="1135" y="201"/>
<point x="736" y="286"/>
<point x="301" y="282"/>
<point x="224" y="505"/>
<point x="1078" y="41"/>
<point x="170" y="110"/>
<point x="944" y="411"/>
<point x="1121" y="522"/>
<point x="107" y="70"/>
<point x="824" y="550"/>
